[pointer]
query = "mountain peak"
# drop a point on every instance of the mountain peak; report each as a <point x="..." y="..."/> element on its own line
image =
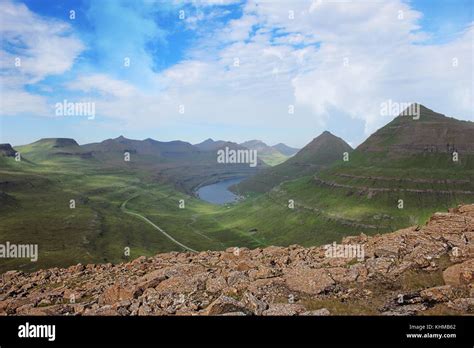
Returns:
<point x="325" y="143"/>
<point x="210" y="144"/>
<point x="419" y="131"/>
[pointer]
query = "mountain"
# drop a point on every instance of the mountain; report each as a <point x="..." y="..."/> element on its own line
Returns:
<point x="318" y="154"/>
<point x="431" y="133"/>
<point x="6" y="150"/>
<point x="309" y="200"/>
<point x="179" y="163"/>
<point x="285" y="149"/>
<point x="417" y="265"/>
<point x="171" y="149"/>
<point x="397" y="177"/>
<point x="55" y="151"/>
<point x="56" y="143"/>
<point x="211" y="145"/>
<point x="268" y="154"/>
<point x="271" y="156"/>
<point x="259" y="146"/>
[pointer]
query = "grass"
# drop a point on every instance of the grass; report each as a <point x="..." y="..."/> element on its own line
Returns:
<point x="37" y="208"/>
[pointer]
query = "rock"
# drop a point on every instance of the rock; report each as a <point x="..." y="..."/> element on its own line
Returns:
<point x="9" y="276"/>
<point x="342" y="274"/>
<point x="114" y="294"/>
<point x="182" y="283"/>
<point x="308" y="280"/>
<point x="216" y="284"/>
<point x="243" y="266"/>
<point x="462" y="304"/>
<point x="410" y="309"/>
<point x="264" y="272"/>
<point x="318" y="312"/>
<point x="144" y="310"/>
<point x="388" y="250"/>
<point x="234" y="314"/>
<point x="284" y="309"/>
<point x="258" y="281"/>
<point x="459" y="274"/>
<point x="149" y="280"/>
<point x="226" y="304"/>
<point x="438" y="294"/>
<point x="106" y="310"/>
<point x="254" y="304"/>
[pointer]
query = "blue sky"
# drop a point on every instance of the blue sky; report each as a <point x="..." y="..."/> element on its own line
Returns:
<point x="229" y="69"/>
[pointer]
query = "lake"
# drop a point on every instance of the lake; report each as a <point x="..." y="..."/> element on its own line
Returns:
<point x="219" y="193"/>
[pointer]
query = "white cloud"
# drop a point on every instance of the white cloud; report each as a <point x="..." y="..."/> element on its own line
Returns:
<point x="45" y="47"/>
<point x="104" y="85"/>
<point x="300" y="61"/>
<point x="38" y="48"/>
<point x="380" y="42"/>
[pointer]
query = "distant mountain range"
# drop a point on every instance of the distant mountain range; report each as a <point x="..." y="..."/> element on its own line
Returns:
<point x="271" y="155"/>
<point x="211" y="145"/>
<point x="286" y="150"/>
<point x="177" y="162"/>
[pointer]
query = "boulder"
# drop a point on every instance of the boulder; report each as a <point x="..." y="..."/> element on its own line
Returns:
<point x="438" y="294"/>
<point x="225" y="304"/>
<point x="284" y="309"/>
<point x="459" y="274"/>
<point x="114" y="294"/>
<point x="308" y="280"/>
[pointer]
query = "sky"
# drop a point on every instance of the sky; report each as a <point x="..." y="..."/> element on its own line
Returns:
<point x="278" y="71"/>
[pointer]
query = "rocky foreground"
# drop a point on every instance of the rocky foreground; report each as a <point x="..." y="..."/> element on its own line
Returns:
<point x="417" y="270"/>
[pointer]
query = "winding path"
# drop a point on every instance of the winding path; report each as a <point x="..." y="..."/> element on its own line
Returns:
<point x="125" y="210"/>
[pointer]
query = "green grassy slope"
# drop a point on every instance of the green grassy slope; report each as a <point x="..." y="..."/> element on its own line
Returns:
<point x="359" y="195"/>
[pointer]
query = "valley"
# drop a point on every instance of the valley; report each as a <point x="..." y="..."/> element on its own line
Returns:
<point x="149" y="205"/>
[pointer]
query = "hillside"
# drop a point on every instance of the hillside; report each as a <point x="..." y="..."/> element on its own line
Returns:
<point x="398" y="176"/>
<point x="321" y="152"/>
<point x="377" y="190"/>
<point x="432" y="133"/>
<point x="425" y="270"/>
<point x="36" y="196"/>
<point x="55" y="151"/>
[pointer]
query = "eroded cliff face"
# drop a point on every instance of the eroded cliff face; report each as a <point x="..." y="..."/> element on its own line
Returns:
<point x="418" y="270"/>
